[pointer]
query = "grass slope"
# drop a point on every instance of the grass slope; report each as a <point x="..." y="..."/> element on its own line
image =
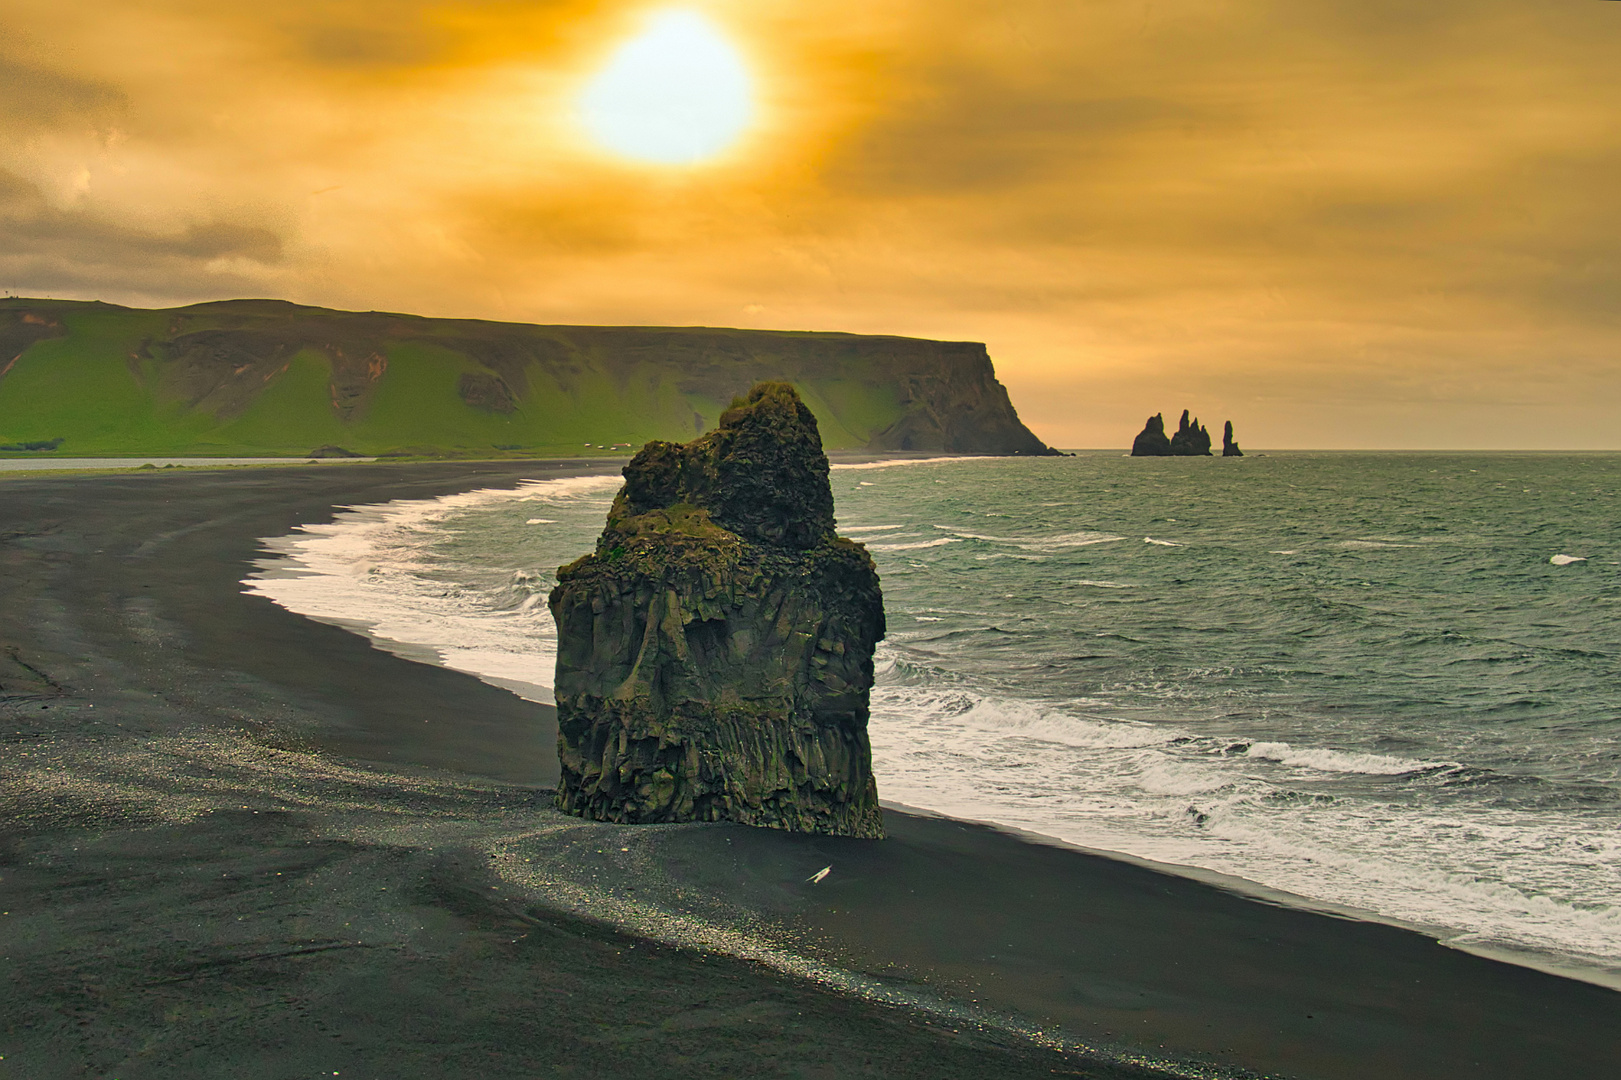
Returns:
<point x="272" y="378"/>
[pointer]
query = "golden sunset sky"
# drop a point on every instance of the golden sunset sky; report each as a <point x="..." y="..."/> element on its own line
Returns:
<point x="1338" y="223"/>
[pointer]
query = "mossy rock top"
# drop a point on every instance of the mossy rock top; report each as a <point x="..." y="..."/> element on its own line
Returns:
<point x="761" y="475"/>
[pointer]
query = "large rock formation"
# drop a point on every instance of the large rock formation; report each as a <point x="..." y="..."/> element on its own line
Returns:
<point x="1191" y="439"/>
<point x="1151" y="442"/>
<point x="715" y="652"/>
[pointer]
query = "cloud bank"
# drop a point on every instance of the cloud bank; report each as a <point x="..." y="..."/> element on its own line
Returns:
<point x="1337" y="222"/>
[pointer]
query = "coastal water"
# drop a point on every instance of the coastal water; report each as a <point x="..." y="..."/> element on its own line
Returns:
<point x="1387" y="684"/>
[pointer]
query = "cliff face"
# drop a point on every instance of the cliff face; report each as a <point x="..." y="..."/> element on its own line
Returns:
<point x="272" y="377"/>
<point x="715" y="652"/>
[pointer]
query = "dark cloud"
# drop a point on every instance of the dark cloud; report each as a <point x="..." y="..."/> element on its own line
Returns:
<point x="45" y="248"/>
<point x="978" y="133"/>
<point x="33" y="98"/>
<point x="364" y="35"/>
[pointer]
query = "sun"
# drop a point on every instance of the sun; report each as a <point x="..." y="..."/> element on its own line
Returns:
<point x="677" y="94"/>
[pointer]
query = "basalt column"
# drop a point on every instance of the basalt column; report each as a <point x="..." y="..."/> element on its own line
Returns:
<point x="715" y="651"/>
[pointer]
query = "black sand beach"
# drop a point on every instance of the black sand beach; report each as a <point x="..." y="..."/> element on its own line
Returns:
<point x="238" y="843"/>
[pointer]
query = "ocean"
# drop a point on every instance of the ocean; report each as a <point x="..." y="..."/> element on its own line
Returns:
<point x="1385" y="685"/>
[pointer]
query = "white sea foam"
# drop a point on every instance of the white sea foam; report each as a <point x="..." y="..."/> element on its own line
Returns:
<point x="1058" y="542"/>
<point x="897" y="463"/>
<point x="917" y="546"/>
<point x="1066" y="540"/>
<point x="1340" y="761"/>
<point x="368" y="571"/>
<point x="1163" y="793"/>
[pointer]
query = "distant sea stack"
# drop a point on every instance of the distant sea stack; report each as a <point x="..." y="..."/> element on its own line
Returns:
<point x="715" y="652"/>
<point x="1229" y="448"/>
<point x="1151" y="442"/>
<point x="1192" y="439"/>
<point x="273" y="378"/>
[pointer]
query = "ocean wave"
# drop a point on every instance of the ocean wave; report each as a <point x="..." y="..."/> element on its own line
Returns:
<point x="1036" y="543"/>
<point x="1341" y="761"/>
<point x="1014" y="717"/>
<point x="1068" y="540"/>
<point x="374" y="570"/>
<point x="1162" y="793"/>
<point x="941" y="542"/>
<point x="863" y="465"/>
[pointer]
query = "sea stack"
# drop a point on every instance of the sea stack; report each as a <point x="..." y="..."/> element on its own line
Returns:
<point x="1151" y="442"/>
<point x="1229" y="448"/>
<point x="1191" y="439"/>
<point x="715" y="652"/>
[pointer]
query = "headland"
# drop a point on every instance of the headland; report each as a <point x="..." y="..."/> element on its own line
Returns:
<point x="271" y="378"/>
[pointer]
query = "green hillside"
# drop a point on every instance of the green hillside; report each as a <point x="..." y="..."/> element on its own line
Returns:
<point x="265" y="377"/>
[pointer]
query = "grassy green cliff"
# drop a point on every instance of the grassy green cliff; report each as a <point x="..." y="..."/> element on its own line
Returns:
<point x="268" y="377"/>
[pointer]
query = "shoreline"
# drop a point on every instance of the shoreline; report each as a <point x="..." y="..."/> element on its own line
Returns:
<point x="128" y="606"/>
<point x="426" y="651"/>
<point x="1261" y="893"/>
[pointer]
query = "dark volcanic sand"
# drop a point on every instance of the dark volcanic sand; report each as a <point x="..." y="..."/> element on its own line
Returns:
<point x="200" y="878"/>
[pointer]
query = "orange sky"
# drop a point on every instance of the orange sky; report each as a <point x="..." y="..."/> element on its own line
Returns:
<point x="1339" y="223"/>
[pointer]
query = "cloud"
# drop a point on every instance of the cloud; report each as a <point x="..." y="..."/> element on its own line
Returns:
<point x="1259" y="200"/>
<point x="48" y="248"/>
<point x="37" y="98"/>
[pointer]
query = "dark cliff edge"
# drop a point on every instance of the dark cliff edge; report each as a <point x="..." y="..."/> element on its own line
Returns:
<point x="714" y="654"/>
<point x="271" y="377"/>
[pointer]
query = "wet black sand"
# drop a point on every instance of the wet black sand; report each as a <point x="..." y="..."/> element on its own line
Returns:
<point x="236" y="842"/>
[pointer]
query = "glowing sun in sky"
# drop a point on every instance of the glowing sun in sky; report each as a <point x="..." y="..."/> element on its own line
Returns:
<point x="676" y="94"/>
